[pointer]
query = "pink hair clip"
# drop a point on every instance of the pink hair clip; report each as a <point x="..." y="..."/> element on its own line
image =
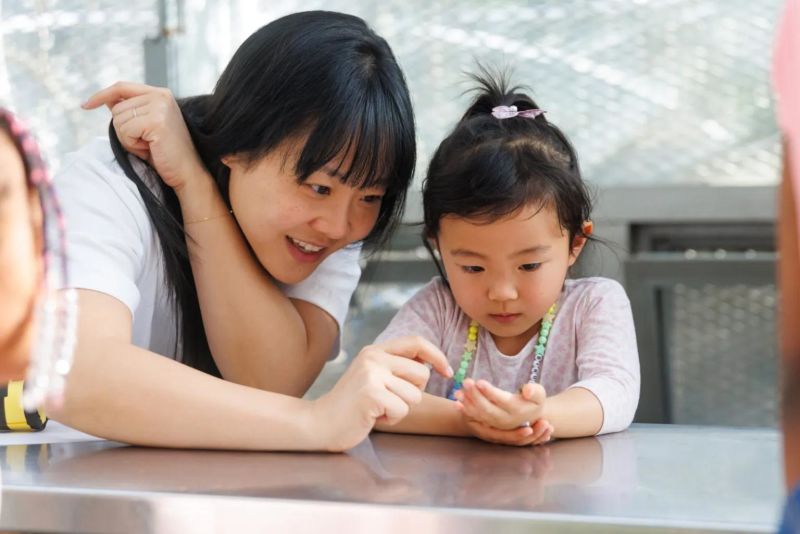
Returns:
<point x="507" y="112"/>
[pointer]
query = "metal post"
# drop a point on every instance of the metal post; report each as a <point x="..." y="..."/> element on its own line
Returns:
<point x="161" y="51"/>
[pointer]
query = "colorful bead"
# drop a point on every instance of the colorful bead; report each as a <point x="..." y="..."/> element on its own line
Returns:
<point x="471" y="345"/>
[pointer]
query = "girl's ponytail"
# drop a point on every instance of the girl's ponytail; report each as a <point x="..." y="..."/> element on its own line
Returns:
<point x="493" y="90"/>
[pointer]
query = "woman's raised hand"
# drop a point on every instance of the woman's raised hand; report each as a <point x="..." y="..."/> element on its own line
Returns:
<point x="382" y="383"/>
<point x="150" y="125"/>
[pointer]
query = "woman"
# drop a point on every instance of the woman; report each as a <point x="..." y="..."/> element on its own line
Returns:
<point x="234" y="249"/>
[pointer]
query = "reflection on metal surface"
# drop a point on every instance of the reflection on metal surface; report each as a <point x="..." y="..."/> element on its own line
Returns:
<point x="692" y="479"/>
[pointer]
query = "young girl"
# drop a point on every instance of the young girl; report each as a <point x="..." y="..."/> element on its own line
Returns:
<point x="231" y="245"/>
<point x="535" y="355"/>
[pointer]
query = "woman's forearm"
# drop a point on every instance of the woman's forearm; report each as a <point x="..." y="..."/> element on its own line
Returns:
<point x="434" y="415"/>
<point x="575" y="412"/>
<point x="257" y="335"/>
<point x="120" y="392"/>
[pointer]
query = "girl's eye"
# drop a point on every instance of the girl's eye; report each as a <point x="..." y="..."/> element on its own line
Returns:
<point x="322" y="190"/>
<point x="528" y="267"/>
<point x="471" y="269"/>
<point x="372" y="199"/>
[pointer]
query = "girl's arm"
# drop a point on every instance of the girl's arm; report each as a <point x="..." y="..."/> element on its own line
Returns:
<point x="257" y="336"/>
<point x="575" y="412"/>
<point x="437" y="416"/>
<point x="433" y="416"/>
<point x="121" y="392"/>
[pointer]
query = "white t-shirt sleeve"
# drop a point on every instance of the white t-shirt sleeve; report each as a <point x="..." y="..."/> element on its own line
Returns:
<point x="331" y="285"/>
<point x="106" y="218"/>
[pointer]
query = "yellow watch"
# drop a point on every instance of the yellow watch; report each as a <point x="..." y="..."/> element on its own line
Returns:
<point x="12" y="416"/>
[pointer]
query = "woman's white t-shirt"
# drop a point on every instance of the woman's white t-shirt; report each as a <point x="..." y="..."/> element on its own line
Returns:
<point x="113" y="249"/>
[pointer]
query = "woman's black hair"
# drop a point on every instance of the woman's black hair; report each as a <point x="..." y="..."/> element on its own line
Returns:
<point x="317" y="76"/>
<point x="488" y="168"/>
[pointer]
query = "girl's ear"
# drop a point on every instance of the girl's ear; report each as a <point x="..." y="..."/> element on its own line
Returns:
<point x="227" y="160"/>
<point x="433" y="247"/>
<point x="432" y="244"/>
<point x="579" y="241"/>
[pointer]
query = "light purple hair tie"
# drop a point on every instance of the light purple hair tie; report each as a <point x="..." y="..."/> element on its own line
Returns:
<point x="507" y="112"/>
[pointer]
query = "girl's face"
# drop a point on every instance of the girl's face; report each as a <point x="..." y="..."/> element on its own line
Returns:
<point x="506" y="274"/>
<point x="21" y="261"/>
<point x="291" y="226"/>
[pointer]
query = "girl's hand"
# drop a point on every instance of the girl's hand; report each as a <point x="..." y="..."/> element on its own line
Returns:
<point x="382" y="383"/>
<point x="150" y="125"/>
<point x="500" y="409"/>
<point x="538" y="433"/>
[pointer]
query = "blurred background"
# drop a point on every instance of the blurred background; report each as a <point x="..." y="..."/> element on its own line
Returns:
<point x="668" y="103"/>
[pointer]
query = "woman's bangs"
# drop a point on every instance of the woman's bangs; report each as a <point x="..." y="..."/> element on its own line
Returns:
<point x="362" y="154"/>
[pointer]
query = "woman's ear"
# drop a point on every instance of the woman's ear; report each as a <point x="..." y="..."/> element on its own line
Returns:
<point x="579" y="241"/>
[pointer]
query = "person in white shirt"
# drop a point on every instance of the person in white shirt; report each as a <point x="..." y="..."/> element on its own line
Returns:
<point x="223" y="231"/>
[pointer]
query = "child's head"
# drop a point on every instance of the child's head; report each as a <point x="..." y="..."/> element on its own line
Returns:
<point x="506" y="207"/>
<point x="33" y="261"/>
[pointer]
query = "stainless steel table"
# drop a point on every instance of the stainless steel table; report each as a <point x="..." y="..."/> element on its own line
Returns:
<point x="655" y="478"/>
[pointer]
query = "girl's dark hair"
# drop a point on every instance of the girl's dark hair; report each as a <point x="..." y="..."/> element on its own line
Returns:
<point x="489" y="168"/>
<point x="320" y="76"/>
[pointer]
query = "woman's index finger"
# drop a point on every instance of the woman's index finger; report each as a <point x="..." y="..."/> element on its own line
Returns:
<point x="115" y="93"/>
<point x="420" y="349"/>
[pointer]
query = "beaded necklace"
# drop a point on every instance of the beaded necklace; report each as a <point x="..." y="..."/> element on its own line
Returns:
<point x="472" y="344"/>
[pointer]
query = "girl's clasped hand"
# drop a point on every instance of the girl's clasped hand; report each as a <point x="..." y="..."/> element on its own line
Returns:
<point x="499" y="416"/>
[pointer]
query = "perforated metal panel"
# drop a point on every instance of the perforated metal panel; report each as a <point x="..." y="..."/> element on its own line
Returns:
<point x="661" y="91"/>
<point x="54" y="54"/>
<point x="721" y="356"/>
